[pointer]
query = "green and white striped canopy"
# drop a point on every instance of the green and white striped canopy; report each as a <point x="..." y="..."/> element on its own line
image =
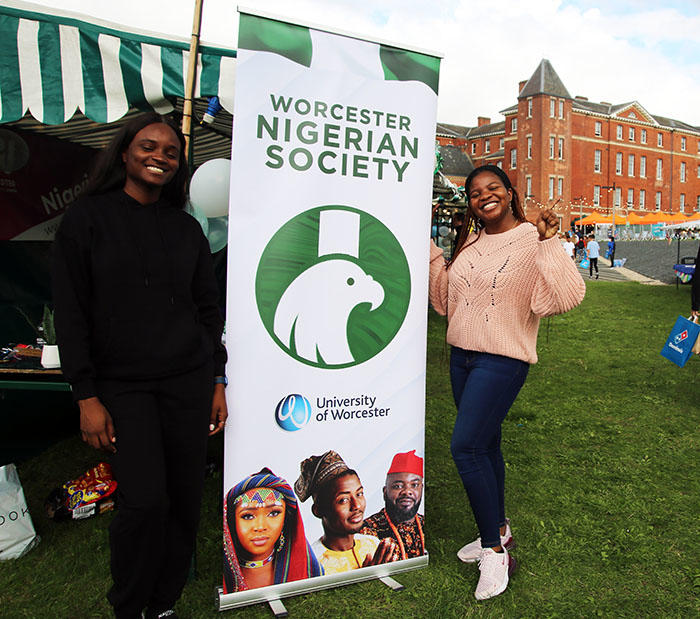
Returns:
<point x="54" y="65"/>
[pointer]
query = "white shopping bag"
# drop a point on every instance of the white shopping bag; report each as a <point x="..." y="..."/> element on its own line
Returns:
<point x="17" y="535"/>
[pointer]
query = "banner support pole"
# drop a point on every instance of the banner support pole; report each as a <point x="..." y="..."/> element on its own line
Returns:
<point x="190" y="81"/>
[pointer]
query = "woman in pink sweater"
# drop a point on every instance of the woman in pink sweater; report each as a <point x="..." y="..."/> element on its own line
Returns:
<point x="500" y="281"/>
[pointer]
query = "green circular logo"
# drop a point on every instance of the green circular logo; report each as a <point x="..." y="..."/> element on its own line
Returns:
<point x="333" y="287"/>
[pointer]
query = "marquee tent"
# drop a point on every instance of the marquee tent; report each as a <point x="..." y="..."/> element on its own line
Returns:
<point x="76" y="75"/>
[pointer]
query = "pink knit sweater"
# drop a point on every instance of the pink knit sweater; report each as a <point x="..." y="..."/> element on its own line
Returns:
<point x="496" y="291"/>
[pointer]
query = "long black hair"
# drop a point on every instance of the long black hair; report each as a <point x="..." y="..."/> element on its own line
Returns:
<point x="472" y="222"/>
<point x="109" y="172"/>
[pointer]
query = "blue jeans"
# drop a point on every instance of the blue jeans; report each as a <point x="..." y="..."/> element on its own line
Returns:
<point x="484" y="388"/>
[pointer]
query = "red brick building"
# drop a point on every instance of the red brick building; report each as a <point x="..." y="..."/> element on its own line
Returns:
<point x="585" y="156"/>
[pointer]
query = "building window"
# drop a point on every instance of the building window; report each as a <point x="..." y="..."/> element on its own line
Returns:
<point x="513" y="158"/>
<point x="643" y="137"/>
<point x="682" y="171"/>
<point x="643" y="166"/>
<point x="560" y="186"/>
<point x="698" y="171"/>
<point x="697" y="204"/>
<point x="501" y="142"/>
<point x="560" y="149"/>
<point x="473" y="148"/>
<point x="529" y="108"/>
<point x="657" y="201"/>
<point x="618" y="195"/>
<point x="596" y="195"/>
<point x="684" y="142"/>
<point x="552" y="104"/>
<point x="529" y="147"/>
<point x="487" y="146"/>
<point x="500" y="164"/>
<point x="514" y="125"/>
<point x="619" y="132"/>
<point x="630" y="165"/>
<point x="660" y="139"/>
<point x="642" y="199"/>
<point x="618" y="163"/>
<point x="630" y="197"/>
<point x="551" y="187"/>
<point x="631" y="134"/>
<point x="659" y="169"/>
<point x="596" y="160"/>
<point x="528" y="186"/>
<point x="551" y="147"/>
<point x="682" y="202"/>
<point x="598" y="128"/>
<point x="561" y="108"/>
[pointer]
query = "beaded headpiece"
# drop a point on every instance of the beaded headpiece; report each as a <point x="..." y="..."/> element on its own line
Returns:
<point x="259" y="497"/>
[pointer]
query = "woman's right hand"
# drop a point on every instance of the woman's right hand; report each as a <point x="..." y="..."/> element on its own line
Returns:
<point x="96" y="425"/>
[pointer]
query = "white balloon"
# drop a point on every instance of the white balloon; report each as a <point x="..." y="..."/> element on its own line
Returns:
<point x="209" y="188"/>
<point x="443" y="230"/>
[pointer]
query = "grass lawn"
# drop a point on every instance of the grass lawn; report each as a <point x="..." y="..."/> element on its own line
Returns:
<point x="602" y="450"/>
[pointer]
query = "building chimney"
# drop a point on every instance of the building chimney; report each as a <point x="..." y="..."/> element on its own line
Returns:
<point x="521" y="85"/>
<point x="580" y="98"/>
<point x="483" y="120"/>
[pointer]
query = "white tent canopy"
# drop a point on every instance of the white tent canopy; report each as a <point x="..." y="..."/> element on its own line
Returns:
<point x="694" y="224"/>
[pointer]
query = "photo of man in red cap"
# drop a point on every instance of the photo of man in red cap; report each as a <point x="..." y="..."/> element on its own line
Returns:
<point x="400" y="520"/>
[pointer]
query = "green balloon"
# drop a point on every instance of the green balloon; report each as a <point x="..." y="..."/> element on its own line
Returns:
<point x="218" y="233"/>
<point x="199" y="216"/>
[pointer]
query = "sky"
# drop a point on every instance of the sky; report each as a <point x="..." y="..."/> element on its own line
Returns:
<point x="607" y="50"/>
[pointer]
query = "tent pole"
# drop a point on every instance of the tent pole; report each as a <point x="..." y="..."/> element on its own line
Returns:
<point x="191" y="74"/>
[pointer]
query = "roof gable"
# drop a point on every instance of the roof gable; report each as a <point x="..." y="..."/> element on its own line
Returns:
<point x="632" y="111"/>
<point x="544" y="81"/>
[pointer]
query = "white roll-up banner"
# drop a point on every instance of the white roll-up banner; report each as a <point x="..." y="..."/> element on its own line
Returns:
<point x="330" y="201"/>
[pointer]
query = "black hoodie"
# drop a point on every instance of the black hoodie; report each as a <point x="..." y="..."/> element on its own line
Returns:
<point x="134" y="293"/>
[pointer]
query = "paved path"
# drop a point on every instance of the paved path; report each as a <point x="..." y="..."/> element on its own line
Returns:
<point x="648" y="262"/>
<point x="618" y="274"/>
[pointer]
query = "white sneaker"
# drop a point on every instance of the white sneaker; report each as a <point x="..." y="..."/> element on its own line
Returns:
<point x="495" y="569"/>
<point x="472" y="551"/>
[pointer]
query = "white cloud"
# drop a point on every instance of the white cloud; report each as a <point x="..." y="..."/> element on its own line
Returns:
<point x="612" y="51"/>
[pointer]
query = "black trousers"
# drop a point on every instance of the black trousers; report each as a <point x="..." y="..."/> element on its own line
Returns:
<point x="161" y="429"/>
<point x="592" y="262"/>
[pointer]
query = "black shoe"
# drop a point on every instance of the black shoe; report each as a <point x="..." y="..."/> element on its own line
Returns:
<point x="596" y="275"/>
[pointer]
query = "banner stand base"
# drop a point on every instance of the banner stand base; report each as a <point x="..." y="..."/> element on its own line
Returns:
<point x="274" y="593"/>
<point x="278" y="608"/>
<point x="391" y="583"/>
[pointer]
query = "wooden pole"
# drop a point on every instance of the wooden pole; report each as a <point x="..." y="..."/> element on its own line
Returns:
<point x="191" y="75"/>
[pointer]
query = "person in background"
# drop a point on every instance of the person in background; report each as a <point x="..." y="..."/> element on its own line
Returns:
<point x="611" y="250"/>
<point x="569" y="247"/>
<point x="503" y="278"/>
<point x="593" y="251"/>
<point x="139" y="333"/>
<point x="400" y="519"/>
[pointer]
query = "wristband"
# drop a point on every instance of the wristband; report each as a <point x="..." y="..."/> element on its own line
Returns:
<point x="220" y="380"/>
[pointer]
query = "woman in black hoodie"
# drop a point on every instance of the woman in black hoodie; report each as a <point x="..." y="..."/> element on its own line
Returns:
<point x="139" y="331"/>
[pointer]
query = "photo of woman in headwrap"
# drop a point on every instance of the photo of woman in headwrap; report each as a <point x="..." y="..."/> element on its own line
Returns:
<point x="264" y="539"/>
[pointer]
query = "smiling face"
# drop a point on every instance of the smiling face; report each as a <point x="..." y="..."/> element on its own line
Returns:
<point x="490" y="201"/>
<point x="402" y="495"/>
<point x="151" y="161"/>
<point x="259" y="526"/>
<point x="343" y="512"/>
